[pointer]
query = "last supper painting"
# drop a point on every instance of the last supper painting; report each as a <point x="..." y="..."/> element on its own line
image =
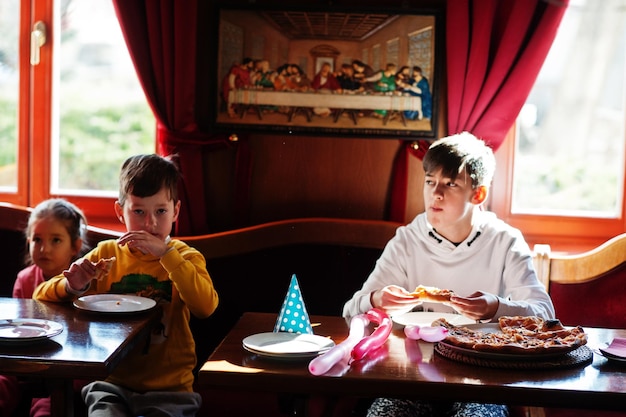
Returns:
<point x="344" y="72"/>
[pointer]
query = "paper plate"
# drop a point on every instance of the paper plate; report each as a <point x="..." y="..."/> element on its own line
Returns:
<point x="287" y="345"/>
<point x="114" y="303"/>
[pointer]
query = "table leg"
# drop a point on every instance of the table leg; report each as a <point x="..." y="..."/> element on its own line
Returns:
<point x="337" y="113"/>
<point x="259" y="111"/>
<point x="403" y="118"/>
<point x="292" y="111"/>
<point x="61" y="397"/>
<point x="354" y="116"/>
<point x="293" y="405"/>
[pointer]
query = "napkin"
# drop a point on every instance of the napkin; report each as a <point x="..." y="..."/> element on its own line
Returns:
<point x="617" y="347"/>
<point x="293" y="317"/>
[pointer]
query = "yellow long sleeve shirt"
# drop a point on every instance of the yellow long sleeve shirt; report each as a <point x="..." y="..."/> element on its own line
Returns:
<point x="180" y="283"/>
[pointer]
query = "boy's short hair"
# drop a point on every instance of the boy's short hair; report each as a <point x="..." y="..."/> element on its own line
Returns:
<point x="146" y="175"/>
<point x="459" y="152"/>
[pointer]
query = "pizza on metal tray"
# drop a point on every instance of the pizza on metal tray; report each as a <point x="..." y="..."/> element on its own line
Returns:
<point x="517" y="334"/>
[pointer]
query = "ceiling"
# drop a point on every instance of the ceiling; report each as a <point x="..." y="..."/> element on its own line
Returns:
<point x="329" y="26"/>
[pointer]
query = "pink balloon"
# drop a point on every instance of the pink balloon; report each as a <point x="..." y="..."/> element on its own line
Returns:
<point x="412" y="332"/>
<point x="377" y="338"/>
<point x="426" y="333"/>
<point x="323" y="363"/>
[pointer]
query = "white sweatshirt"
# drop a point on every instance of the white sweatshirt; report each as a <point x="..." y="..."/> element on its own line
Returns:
<point x="494" y="258"/>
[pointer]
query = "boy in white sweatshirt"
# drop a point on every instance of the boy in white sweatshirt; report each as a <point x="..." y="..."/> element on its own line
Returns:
<point x="454" y="245"/>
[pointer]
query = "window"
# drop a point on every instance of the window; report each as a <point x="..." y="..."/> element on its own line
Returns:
<point x="100" y="114"/>
<point x="568" y="156"/>
<point x="77" y="114"/>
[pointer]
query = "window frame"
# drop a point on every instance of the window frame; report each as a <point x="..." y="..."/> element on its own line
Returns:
<point x="563" y="233"/>
<point x="35" y="124"/>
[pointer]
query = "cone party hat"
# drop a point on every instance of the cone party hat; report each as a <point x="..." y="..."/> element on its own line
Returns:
<point x="293" y="317"/>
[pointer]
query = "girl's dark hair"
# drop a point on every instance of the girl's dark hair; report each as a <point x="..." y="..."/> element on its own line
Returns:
<point x="461" y="152"/>
<point x="145" y="175"/>
<point x="65" y="212"/>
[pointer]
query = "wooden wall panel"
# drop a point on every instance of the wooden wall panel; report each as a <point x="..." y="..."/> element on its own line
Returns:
<point x="307" y="176"/>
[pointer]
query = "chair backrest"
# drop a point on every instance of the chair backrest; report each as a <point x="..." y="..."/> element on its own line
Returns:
<point x="589" y="288"/>
<point x="13" y="220"/>
<point x="325" y="231"/>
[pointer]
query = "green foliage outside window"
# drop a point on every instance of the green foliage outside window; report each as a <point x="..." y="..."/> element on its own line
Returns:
<point x="93" y="146"/>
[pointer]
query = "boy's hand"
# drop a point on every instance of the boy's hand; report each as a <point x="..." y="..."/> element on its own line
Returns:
<point x="477" y="306"/>
<point x="80" y="273"/>
<point x="393" y="299"/>
<point x="144" y="241"/>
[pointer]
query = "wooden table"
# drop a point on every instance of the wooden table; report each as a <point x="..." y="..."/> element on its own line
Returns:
<point x="90" y="346"/>
<point x="406" y="368"/>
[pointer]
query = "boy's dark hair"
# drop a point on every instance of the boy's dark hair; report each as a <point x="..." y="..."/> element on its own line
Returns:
<point x="145" y="175"/>
<point x="65" y="212"/>
<point x="459" y="152"/>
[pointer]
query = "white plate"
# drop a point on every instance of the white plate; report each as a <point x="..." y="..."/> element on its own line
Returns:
<point x="287" y="345"/>
<point x="28" y="330"/>
<point x="424" y="318"/>
<point x="114" y="303"/>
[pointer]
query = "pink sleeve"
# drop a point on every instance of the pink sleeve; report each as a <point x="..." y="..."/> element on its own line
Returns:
<point x="18" y="291"/>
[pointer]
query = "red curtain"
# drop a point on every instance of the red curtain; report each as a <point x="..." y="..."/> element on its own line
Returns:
<point x="494" y="51"/>
<point x="162" y="38"/>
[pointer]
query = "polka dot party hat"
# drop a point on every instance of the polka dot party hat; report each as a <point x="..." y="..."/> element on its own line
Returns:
<point x="293" y="317"/>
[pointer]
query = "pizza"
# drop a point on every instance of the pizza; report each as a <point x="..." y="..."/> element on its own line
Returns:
<point x="516" y="334"/>
<point x="103" y="267"/>
<point x="433" y="294"/>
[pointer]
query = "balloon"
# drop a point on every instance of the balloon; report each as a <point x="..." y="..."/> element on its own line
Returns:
<point x="426" y="333"/>
<point x="377" y="338"/>
<point x="321" y="364"/>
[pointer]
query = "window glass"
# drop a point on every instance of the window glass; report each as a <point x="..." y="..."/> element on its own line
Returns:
<point x="9" y="90"/>
<point x="569" y="158"/>
<point x="101" y="115"/>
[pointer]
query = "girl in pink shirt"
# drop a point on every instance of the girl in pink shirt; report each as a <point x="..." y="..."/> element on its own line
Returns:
<point x="56" y="237"/>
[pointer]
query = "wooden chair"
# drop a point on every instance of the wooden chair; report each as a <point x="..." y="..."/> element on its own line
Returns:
<point x="587" y="289"/>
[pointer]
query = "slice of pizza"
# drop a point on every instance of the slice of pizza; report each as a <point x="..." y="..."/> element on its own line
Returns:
<point x="103" y="267"/>
<point x="432" y="294"/>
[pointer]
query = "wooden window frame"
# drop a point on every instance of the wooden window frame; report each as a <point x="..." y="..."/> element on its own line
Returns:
<point x="563" y="233"/>
<point x="34" y="124"/>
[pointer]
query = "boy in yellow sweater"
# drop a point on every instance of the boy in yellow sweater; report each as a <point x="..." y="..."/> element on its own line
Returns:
<point x="146" y="262"/>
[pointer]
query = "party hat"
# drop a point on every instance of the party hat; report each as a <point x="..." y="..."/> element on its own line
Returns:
<point x="293" y="317"/>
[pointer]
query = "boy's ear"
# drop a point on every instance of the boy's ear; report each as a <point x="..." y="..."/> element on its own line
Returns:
<point x="176" y="210"/>
<point x="480" y="195"/>
<point x="119" y="211"/>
